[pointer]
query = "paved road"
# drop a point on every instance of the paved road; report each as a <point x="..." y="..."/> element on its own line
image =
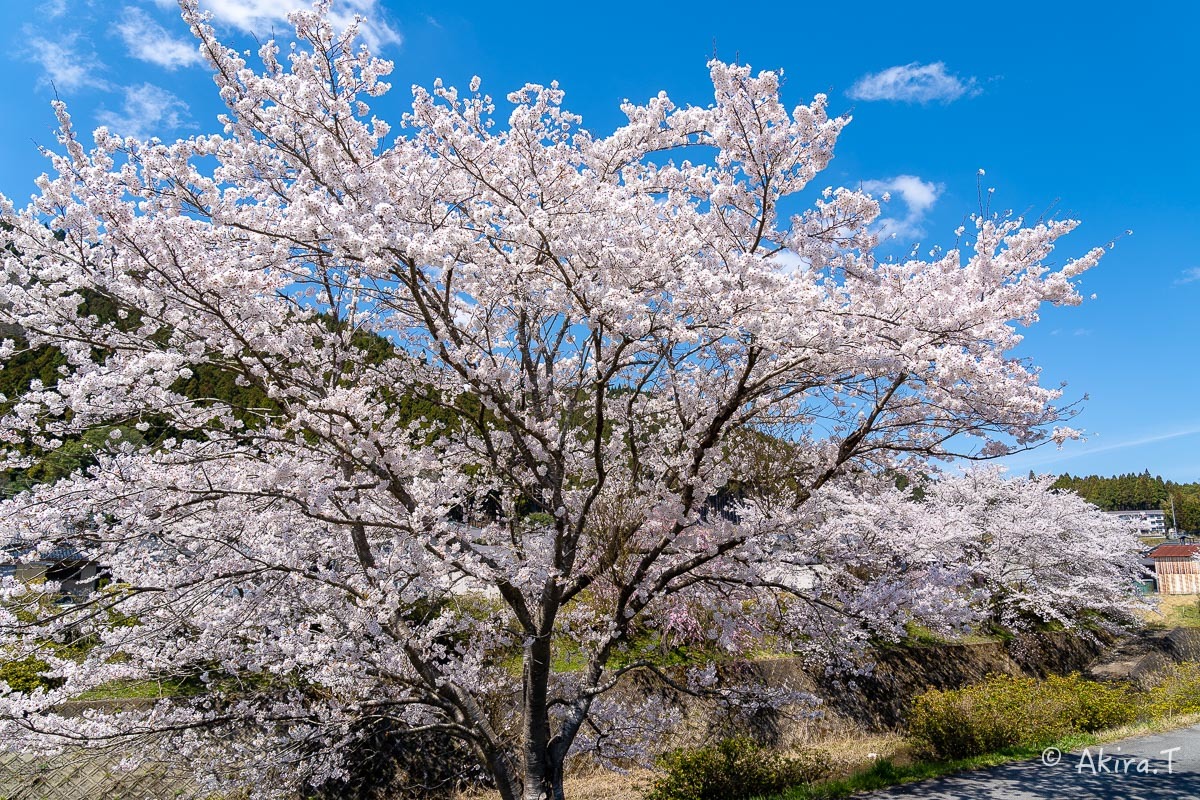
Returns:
<point x="1160" y="767"/>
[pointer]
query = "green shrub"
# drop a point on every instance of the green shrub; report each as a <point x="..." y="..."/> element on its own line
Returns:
<point x="24" y="675"/>
<point x="1176" y="691"/>
<point x="732" y="769"/>
<point x="539" y="519"/>
<point x="1006" y="712"/>
<point x="1100" y="705"/>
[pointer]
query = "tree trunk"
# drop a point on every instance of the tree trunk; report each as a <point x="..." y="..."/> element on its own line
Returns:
<point x="505" y="780"/>
<point x="540" y="773"/>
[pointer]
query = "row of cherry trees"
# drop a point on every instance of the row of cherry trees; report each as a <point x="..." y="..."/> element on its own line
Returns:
<point x="603" y="336"/>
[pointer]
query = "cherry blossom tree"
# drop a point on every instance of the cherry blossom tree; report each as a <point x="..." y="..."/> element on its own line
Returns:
<point x="1037" y="555"/>
<point x="1010" y="552"/>
<point x="495" y="373"/>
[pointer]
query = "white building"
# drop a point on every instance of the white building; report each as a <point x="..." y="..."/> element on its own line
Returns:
<point x="1153" y="523"/>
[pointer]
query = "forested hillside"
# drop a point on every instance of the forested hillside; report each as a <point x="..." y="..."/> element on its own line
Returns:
<point x="32" y="368"/>
<point x="1139" y="492"/>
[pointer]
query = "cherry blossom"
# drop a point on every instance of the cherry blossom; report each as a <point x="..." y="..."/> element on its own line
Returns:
<point x="500" y="368"/>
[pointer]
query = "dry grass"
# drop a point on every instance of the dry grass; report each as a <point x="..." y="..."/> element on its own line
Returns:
<point x="846" y="754"/>
<point x="593" y="783"/>
<point x="1145" y="728"/>
<point x="1175" y="611"/>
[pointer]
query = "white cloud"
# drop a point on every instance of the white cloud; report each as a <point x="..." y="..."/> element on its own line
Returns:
<point x="149" y="41"/>
<point x="54" y="8"/>
<point x="1188" y="276"/>
<point x="790" y="261"/>
<point x="919" y="197"/>
<point x="147" y="110"/>
<point x="258" y="16"/>
<point x="914" y="83"/>
<point x="64" y="64"/>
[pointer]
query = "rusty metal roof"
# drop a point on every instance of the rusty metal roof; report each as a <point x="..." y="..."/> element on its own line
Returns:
<point x="1175" y="551"/>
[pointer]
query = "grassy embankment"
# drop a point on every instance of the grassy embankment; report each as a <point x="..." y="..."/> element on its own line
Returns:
<point x="1175" y="611"/>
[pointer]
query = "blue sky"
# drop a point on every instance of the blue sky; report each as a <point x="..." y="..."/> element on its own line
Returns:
<point x="1088" y="110"/>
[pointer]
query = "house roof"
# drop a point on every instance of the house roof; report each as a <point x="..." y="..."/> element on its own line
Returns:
<point x="1175" y="551"/>
<point x="16" y="552"/>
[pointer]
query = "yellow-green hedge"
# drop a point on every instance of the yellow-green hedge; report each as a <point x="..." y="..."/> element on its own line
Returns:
<point x="732" y="769"/>
<point x="1006" y="712"/>
<point x="1176" y="691"/>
